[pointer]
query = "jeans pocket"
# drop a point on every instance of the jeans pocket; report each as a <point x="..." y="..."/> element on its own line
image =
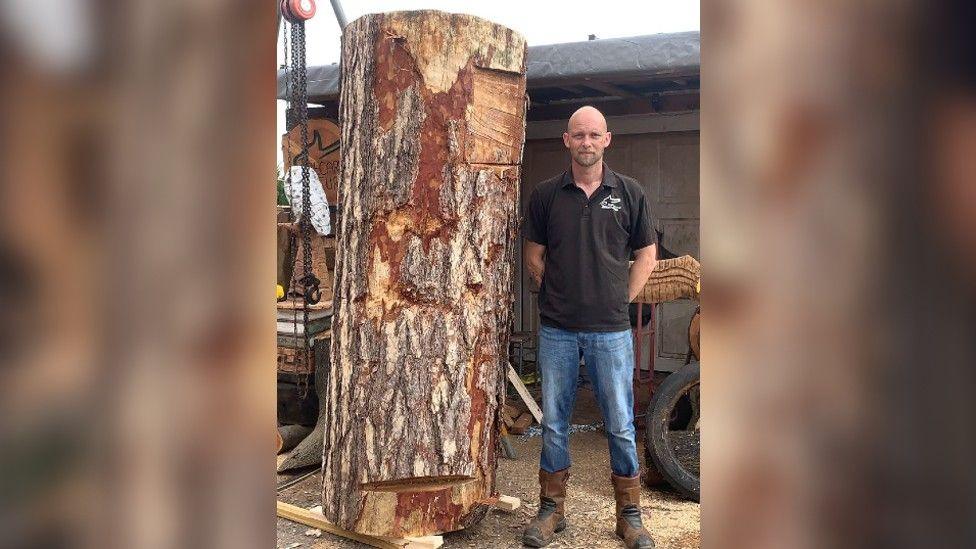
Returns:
<point x="616" y="342"/>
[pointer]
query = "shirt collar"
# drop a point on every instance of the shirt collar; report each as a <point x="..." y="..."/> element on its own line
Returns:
<point x="609" y="178"/>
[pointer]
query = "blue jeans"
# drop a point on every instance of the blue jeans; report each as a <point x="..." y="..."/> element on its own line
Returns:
<point x="609" y="358"/>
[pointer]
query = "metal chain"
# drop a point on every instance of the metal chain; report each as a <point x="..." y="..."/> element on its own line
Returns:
<point x="285" y="25"/>
<point x="298" y="79"/>
<point x="289" y="124"/>
<point x="302" y="385"/>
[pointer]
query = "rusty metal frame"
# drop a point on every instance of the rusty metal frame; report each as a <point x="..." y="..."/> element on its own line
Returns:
<point x="640" y="332"/>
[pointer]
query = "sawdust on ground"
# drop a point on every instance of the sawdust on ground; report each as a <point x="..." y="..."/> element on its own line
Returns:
<point x="673" y="521"/>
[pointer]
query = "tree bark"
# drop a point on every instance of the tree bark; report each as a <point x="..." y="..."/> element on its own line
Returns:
<point x="433" y="126"/>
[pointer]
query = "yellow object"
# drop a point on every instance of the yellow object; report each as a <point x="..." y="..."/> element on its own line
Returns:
<point x="697" y="286"/>
<point x="281" y="292"/>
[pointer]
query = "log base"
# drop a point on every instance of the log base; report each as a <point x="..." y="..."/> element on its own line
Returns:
<point x="314" y="518"/>
<point x="429" y="506"/>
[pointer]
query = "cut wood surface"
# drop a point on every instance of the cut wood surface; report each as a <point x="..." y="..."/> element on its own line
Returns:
<point x="433" y="125"/>
<point x="508" y="503"/>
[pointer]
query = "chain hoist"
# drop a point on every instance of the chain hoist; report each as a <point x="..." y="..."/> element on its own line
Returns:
<point x="295" y="13"/>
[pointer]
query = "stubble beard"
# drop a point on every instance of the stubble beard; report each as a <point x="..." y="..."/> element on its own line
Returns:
<point x="587" y="160"/>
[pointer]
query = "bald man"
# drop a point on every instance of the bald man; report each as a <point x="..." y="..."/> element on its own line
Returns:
<point x="581" y="229"/>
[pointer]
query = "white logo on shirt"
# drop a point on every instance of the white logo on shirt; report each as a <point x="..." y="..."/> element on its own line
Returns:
<point x="611" y="203"/>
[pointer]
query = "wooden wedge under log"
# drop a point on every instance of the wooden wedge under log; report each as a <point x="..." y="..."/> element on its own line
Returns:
<point x="433" y="126"/>
<point x="315" y="519"/>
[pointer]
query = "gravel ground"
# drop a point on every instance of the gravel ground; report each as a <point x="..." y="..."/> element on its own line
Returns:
<point x="673" y="522"/>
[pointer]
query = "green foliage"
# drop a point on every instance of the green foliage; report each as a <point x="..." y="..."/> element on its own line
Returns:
<point x="280" y="182"/>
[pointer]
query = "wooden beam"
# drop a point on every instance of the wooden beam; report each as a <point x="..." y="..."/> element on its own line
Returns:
<point x="523" y="392"/>
<point x="571" y="89"/>
<point x="615" y="107"/>
<point x="637" y="78"/>
<point x="316" y="520"/>
<point x="610" y="89"/>
<point x="675" y="102"/>
<point x="622" y="125"/>
<point x="426" y="542"/>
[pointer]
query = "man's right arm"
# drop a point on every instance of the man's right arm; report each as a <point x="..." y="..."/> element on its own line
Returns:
<point x="534" y="256"/>
<point x="534" y="231"/>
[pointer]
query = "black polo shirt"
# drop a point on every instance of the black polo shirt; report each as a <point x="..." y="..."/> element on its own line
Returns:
<point x="588" y="248"/>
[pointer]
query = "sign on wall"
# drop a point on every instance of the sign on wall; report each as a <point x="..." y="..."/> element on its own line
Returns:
<point x="323" y="153"/>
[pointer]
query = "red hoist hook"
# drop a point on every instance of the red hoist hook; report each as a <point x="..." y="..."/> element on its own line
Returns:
<point x="297" y="11"/>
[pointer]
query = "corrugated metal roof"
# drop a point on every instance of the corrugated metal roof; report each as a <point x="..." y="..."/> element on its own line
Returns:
<point x="646" y="57"/>
<point x="615" y="58"/>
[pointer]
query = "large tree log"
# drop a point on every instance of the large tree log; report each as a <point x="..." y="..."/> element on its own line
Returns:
<point x="433" y="125"/>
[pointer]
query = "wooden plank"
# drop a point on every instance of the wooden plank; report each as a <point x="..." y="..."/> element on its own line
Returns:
<point x="426" y="542"/>
<point x="292" y="342"/>
<point x="292" y="304"/>
<point x="316" y="327"/>
<point x="520" y="388"/>
<point x="687" y="100"/>
<point x="610" y="89"/>
<point x="316" y="520"/>
<point x="296" y="315"/>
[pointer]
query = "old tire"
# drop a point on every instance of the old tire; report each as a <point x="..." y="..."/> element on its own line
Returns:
<point x="658" y="444"/>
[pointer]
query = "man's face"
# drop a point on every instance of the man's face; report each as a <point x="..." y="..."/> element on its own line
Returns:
<point x="586" y="138"/>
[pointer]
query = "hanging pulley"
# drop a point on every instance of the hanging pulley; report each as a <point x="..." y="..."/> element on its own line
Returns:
<point x="297" y="11"/>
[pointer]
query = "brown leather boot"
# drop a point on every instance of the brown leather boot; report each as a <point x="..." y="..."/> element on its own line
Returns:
<point x="629" y="525"/>
<point x="550" y="519"/>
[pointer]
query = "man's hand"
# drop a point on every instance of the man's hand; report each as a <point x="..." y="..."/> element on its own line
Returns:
<point x="534" y="258"/>
<point x="640" y="270"/>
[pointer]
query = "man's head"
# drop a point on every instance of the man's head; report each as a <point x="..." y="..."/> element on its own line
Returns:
<point x="586" y="136"/>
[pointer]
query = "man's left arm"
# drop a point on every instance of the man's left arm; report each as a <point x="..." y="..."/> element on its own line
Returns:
<point x="643" y="240"/>
<point x="640" y="270"/>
